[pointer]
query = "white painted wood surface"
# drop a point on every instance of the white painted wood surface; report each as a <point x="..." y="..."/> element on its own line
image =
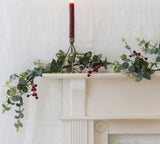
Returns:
<point x="107" y="104"/>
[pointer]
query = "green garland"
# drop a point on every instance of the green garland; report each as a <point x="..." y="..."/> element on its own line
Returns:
<point x="135" y="64"/>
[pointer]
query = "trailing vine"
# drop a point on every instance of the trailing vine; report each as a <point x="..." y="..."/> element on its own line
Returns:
<point x="135" y="64"/>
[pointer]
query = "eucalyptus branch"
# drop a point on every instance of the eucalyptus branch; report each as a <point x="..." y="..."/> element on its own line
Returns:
<point x="135" y="65"/>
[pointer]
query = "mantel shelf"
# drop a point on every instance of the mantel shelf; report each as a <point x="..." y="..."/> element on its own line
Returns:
<point x="94" y="75"/>
<point x="111" y="117"/>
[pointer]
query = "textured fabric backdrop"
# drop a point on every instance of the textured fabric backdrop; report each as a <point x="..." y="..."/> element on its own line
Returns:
<point x="37" y="29"/>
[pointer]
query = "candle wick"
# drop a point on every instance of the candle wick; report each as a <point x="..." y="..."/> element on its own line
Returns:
<point x="71" y="1"/>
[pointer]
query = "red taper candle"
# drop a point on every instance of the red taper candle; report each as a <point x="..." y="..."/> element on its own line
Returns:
<point x="71" y="19"/>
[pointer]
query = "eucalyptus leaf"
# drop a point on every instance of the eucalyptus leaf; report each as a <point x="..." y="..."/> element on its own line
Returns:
<point x="116" y="62"/>
<point x="16" y="125"/>
<point x="158" y="59"/>
<point x="6" y="107"/>
<point x="21" y="115"/>
<point x="22" y="81"/>
<point x="15" y="98"/>
<point x="147" y="76"/>
<point x="125" y="65"/>
<point x="100" y="56"/>
<point x="131" y="69"/>
<point x="88" y="54"/>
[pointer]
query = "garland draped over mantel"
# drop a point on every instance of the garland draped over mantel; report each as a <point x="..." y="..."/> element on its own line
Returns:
<point x="136" y="65"/>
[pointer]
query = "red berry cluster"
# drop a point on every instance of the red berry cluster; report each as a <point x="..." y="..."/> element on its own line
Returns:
<point x="95" y="69"/>
<point x="33" y="90"/>
<point x="139" y="54"/>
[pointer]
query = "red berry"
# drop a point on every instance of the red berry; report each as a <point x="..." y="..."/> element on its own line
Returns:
<point x="32" y="89"/>
<point x="139" y="54"/>
<point x="28" y="95"/>
<point x="36" y="97"/>
<point x="146" y="58"/>
<point x="96" y="70"/>
<point x="134" y="52"/>
<point x="94" y="64"/>
<point x="35" y="94"/>
<point x="35" y="89"/>
<point x="88" y="75"/>
<point x="89" y="72"/>
<point x="35" y="85"/>
<point x="87" y="66"/>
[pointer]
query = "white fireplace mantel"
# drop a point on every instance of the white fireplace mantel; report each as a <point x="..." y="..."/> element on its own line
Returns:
<point x="107" y="103"/>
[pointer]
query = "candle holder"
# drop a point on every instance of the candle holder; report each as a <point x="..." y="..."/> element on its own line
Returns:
<point x="71" y="52"/>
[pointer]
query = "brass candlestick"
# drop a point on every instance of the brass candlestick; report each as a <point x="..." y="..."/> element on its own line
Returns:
<point x="71" y="52"/>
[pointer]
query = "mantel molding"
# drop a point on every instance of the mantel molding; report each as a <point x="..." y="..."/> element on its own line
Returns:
<point x="94" y="75"/>
<point x="112" y="117"/>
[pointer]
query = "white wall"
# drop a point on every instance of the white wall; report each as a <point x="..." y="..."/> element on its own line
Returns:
<point x="37" y="29"/>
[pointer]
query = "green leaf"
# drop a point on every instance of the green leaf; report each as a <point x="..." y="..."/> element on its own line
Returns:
<point x="100" y="56"/>
<point x="5" y="107"/>
<point x="146" y="44"/>
<point x="155" y="45"/>
<point x="22" y="81"/>
<point x="137" y="39"/>
<point x="120" y="67"/>
<point x="20" y="124"/>
<point x="158" y="59"/>
<point x="11" y="92"/>
<point x="3" y="111"/>
<point x="128" y="47"/>
<point x="88" y="54"/>
<point x="18" y="105"/>
<point x="82" y="67"/>
<point x="29" y="74"/>
<point x="95" y="58"/>
<point x="131" y="69"/>
<point x="135" y="74"/>
<point x="21" y="100"/>
<point x="15" y="98"/>
<point x="24" y="89"/>
<point x="137" y="79"/>
<point x="85" y="62"/>
<point x="35" y="63"/>
<point x="158" y="51"/>
<point x="151" y="71"/>
<point x="21" y="115"/>
<point x="125" y="65"/>
<point x="37" y="72"/>
<point x="9" y="102"/>
<point x="123" y="57"/>
<point x="12" y="77"/>
<point x="140" y="44"/>
<point x="16" y="125"/>
<point x="123" y="39"/>
<point x="147" y="76"/>
<point x="16" y="117"/>
<point x="116" y="62"/>
<point x="7" y="82"/>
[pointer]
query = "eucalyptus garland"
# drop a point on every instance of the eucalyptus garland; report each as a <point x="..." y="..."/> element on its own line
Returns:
<point x="135" y="64"/>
